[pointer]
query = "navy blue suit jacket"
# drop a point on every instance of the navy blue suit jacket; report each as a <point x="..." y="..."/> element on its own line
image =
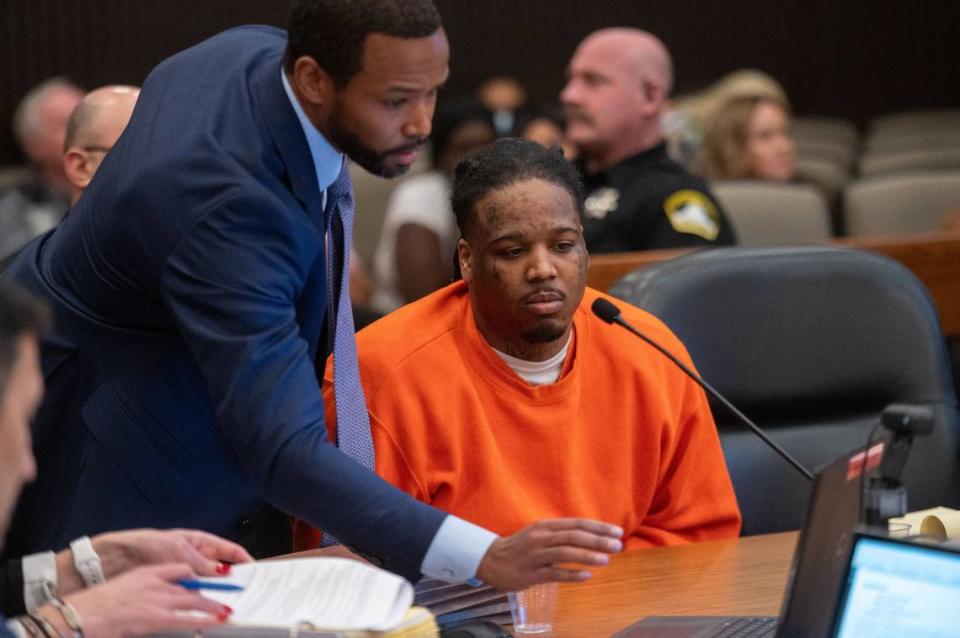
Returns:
<point x="189" y="292"/>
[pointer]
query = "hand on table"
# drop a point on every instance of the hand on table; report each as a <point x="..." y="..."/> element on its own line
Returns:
<point x="534" y="554"/>
<point x="141" y="601"/>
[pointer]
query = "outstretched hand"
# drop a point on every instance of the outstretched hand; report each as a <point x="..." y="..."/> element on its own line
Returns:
<point x="536" y="553"/>
<point x="141" y="601"/>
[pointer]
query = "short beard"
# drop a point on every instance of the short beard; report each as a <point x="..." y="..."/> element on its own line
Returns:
<point x="350" y="145"/>
<point x="543" y="333"/>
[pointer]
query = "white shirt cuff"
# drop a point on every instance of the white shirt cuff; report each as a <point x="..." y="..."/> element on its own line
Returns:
<point x="38" y="569"/>
<point x="17" y="629"/>
<point x="456" y="550"/>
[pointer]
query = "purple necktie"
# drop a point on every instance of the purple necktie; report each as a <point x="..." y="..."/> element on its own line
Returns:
<point x="353" y="423"/>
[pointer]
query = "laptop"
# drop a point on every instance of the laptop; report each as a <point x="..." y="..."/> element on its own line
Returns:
<point x="894" y="588"/>
<point x="817" y="571"/>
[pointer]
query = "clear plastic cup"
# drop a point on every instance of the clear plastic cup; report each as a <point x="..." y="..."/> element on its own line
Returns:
<point x="533" y="609"/>
<point x="898" y="530"/>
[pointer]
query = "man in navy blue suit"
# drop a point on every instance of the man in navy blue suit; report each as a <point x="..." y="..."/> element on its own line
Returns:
<point x="189" y="288"/>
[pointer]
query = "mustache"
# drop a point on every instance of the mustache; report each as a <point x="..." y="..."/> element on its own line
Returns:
<point x="573" y="113"/>
<point x="544" y="294"/>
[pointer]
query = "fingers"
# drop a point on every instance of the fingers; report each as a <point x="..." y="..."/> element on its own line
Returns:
<point x="170" y="572"/>
<point x="539" y="552"/>
<point x="569" y="555"/>
<point x="585" y="540"/>
<point x="231" y="552"/>
<point x="172" y="601"/>
<point x="168" y="595"/>
<point x="192" y="601"/>
<point x="585" y="524"/>
<point x="562" y="575"/>
<point x="170" y="619"/>
<point x="202" y="565"/>
<point x="216" y="548"/>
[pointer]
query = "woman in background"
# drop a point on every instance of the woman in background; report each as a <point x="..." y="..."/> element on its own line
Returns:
<point x="685" y="122"/>
<point x="749" y="138"/>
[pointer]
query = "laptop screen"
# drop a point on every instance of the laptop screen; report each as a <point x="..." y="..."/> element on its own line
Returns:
<point x="899" y="589"/>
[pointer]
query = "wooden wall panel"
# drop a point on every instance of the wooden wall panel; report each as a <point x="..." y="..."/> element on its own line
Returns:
<point x="839" y="57"/>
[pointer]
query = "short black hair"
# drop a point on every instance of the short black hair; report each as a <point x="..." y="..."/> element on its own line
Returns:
<point x="332" y="32"/>
<point x="20" y="314"/>
<point x="505" y="162"/>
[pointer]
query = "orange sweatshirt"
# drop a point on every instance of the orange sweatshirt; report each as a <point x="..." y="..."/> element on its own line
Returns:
<point x="623" y="436"/>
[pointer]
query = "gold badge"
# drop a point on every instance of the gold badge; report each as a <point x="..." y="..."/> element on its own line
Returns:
<point x="691" y="212"/>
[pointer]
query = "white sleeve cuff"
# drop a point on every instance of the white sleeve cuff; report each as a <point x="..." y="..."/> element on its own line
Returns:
<point x="456" y="550"/>
<point x="37" y="570"/>
<point x="86" y="561"/>
<point x="17" y="629"/>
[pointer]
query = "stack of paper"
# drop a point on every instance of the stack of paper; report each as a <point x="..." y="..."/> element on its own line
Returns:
<point x="319" y="598"/>
<point x="456" y="603"/>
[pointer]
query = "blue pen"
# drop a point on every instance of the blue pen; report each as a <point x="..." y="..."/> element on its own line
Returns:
<point x="207" y="584"/>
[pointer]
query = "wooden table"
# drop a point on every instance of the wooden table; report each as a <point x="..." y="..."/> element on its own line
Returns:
<point x="743" y="577"/>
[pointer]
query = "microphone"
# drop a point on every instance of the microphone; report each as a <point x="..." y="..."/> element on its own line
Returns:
<point x="609" y="313"/>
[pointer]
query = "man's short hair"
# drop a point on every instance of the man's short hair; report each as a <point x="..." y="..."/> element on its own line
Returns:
<point x="332" y="32"/>
<point x="79" y="120"/>
<point x="505" y="162"/>
<point x="20" y="314"/>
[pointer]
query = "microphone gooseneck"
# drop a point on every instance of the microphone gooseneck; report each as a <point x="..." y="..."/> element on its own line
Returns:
<point x="609" y="313"/>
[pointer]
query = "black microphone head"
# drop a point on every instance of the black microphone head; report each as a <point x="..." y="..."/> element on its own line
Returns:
<point x="605" y="310"/>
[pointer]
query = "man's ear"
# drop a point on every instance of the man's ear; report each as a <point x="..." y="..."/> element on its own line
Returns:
<point x="463" y="257"/>
<point x="77" y="166"/>
<point x="312" y="83"/>
<point x="653" y="96"/>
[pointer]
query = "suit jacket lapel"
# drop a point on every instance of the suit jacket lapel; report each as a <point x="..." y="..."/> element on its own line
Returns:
<point x="289" y="140"/>
<point x="291" y="146"/>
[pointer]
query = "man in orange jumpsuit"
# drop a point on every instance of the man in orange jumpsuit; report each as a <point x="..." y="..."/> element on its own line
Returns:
<point x="502" y="399"/>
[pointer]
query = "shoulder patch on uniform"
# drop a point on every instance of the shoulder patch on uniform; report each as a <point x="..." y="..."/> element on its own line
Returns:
<point x="693" y="213"/>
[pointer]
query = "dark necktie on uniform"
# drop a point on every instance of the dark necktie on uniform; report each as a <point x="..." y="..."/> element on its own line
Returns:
<point x="353" y="423"/>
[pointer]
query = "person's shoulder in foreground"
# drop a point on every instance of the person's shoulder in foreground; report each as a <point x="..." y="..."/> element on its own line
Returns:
<point x="121" y="583"/>
<point x="502" y="398"/>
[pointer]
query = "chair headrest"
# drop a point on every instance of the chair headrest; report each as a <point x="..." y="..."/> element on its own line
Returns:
<point x="780" y="329"/>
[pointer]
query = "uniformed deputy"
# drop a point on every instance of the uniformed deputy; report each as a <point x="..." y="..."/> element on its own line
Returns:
<point x="638" y="198"/>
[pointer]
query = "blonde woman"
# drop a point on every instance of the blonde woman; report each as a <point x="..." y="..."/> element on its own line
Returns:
<point x="749" y="138"/>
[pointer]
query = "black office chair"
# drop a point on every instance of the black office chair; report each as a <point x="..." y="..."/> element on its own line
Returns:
<point x="812" y="343"/>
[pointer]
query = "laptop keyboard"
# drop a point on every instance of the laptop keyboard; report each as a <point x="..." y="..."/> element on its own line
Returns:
<point x="748" y="627"/>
